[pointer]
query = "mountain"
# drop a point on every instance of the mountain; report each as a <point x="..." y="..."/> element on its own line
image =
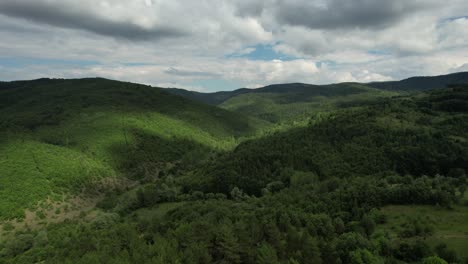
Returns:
<point x="381" y="181"/>
<point x="296" y="102"/>
<point x="410" y="84"/>
<point x="59" y="135"/>
<point x="115" y="172"/>
<point x="291" y="91"/>
<point x="423" y="83"/>
<point x="286" y="104"/>
<point x="411" y="135"/>
<point x="208" y="98"/>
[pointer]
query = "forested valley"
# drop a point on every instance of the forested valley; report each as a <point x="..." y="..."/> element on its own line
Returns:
<point x="380" y="180"/>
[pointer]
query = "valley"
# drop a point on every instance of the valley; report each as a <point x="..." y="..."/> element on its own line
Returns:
<point x="101" y="171"/>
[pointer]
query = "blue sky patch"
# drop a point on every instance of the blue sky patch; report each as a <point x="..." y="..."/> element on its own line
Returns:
<point x="213" y="85"/>
<point x="328" y="63"/>
<point x="379" y="52"/>
<point x="450" y="19"/>
<point x="264" y="52"/>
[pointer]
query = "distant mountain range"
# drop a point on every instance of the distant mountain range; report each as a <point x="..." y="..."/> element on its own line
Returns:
<point x="411" y="84"/>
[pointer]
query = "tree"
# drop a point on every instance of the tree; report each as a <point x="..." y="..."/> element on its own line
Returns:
<point x="447" y="254"/>
<point x="368" y="224"/>
<point x="364" y="256"/>
<point x="237" y="194"/>
<point x="350" y="242"/>
<point x="339" y="225"/>
<point x="434" y="260"/>
<point x="266" y="254"/>
<point x="310" y="250"/>
<point x="226" y="246"/>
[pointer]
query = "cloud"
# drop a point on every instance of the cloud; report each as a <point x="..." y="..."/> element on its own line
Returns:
<point x="344" y="14"/>
<point x="177" y="72"/>
<point x="463" y="68"/>
<point x="66" y="15"/>
<point x="219" y="43"/>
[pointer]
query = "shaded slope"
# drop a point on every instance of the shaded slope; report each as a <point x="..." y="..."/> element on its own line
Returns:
<point x="208" y="98"/>
<point x="291" y="92"/>
<point x="53" y="100"/>
<point x="422" y="135"/>
<point x="423" y="83"/>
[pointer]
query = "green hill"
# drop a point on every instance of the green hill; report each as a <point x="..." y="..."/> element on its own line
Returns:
<point x="57" y="136"/>
<point x="376" y="179"/>
<point x="300" y="89"/>
<point x="425" y="134"/>
<point x="423" y="83"/>
<point x="288" y="104"/>
<point x="296" y="102"/>
<point x="208" y="98"/>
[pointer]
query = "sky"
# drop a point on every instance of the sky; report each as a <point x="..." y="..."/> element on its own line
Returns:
<point x="213" y="45"/>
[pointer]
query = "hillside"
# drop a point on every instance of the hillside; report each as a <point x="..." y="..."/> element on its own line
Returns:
<point x="208" y="98"/>
<point x="58" y="136"/>
<point x="410" y="84"/>
<point x="425" y="134"/>
<point x="423" y="83"/>
<point x="383" y="181"/>
<point x="288" y="104"/>
<point x="296" y="102"/>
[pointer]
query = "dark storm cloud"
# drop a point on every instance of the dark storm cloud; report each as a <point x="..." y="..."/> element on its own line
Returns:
<point x="346" y="14"/>
<point x="68" y="17"/>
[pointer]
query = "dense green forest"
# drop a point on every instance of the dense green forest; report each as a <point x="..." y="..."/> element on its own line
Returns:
<point x="292" y="104"/>
<point x="364" y="176"/>
<point x="57" y="136"/>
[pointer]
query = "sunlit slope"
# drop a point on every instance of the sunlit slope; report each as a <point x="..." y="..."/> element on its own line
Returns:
<point x="298" y="102"/>
<point x="59" y="135"/>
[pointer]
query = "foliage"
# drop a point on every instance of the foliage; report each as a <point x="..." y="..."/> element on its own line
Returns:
<point x="59" y="136"/>
<point x="309" y="195"/>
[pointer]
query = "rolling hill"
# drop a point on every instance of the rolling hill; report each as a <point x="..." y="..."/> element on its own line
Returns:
<point x="58" y="135"/>
<point x="286" y="104"/>
<point x="410" y="84"/>
<point x="383" y="181"/>
<point x="369" y="178"/>
<point x="296" y="102"/>
<point x="423" y="83"/>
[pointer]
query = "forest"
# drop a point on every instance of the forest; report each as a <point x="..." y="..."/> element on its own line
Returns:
<point x="379" y="180"/>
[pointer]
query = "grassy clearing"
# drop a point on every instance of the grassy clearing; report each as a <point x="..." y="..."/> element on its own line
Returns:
<point x="450" y="225"/>
<point x="33" y="170"/>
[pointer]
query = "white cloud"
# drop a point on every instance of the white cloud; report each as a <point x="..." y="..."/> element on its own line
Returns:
<point x="194" y="37"/>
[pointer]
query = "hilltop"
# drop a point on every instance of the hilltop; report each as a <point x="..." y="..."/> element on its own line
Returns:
<point x="296" y="102"/>
<point x="60" y="135"/>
